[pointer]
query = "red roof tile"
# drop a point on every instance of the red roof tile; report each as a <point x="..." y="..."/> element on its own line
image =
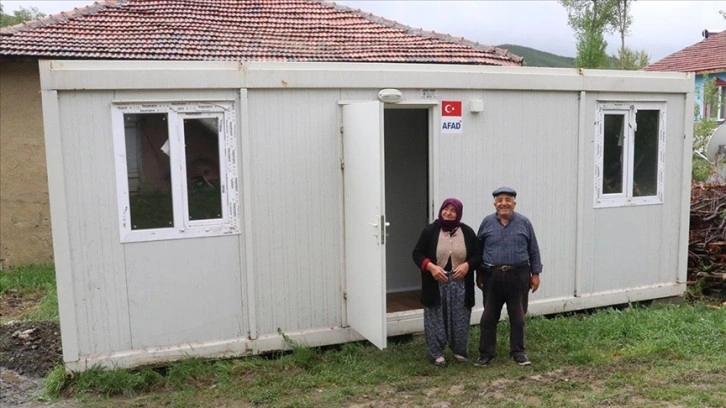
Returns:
<point x="703" y="57"/>
<point x="232" y="30"/>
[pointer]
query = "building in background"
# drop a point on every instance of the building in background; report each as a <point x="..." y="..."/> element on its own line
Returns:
<point x="707" y="60"/>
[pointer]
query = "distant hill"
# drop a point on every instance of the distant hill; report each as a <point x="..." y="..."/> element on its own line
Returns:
<point x="537" y="58"/>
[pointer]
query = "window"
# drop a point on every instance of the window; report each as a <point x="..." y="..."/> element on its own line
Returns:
<point x="629" y="153"/>
<point x="176" y="170"/>
<point x="717" y="109"/>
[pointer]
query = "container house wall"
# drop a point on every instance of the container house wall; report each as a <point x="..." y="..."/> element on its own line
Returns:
<point x="284" y="272"/>
<point x="527" y="140"/>
<point x="297" y="189"/>
<point x="638" y="246"/>
<point x="295" y="226"/>
<point x="135" y="295"/>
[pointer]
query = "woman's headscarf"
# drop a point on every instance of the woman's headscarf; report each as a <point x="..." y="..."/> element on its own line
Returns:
<point x="449" y="225"/>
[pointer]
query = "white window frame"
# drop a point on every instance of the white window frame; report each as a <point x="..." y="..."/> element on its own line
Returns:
<point x="176" y="113"/>
<point x="629" y="110"/>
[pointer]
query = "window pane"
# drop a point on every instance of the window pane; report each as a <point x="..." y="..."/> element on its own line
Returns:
<point x="201" y="136"/>
<point x="148" y="171"/>
<point x="645" y="159"/>
<point x="612" y="182"/>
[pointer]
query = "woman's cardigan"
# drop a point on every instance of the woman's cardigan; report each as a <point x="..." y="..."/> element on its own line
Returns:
<point x="426" y="249"/>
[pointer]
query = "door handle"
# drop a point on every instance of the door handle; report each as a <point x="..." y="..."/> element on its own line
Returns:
<point x="380" y="229"/>
<point x="384" y="229"/>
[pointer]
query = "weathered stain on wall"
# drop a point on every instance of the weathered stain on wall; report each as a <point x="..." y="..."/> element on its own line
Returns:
<point x="25" y="233"/>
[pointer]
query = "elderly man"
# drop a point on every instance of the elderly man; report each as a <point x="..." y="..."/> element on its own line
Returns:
<point x="511" y="267"/>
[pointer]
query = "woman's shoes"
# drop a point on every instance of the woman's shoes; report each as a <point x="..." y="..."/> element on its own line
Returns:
<point x="440" y="362"/>
<point x="459" y="358"/>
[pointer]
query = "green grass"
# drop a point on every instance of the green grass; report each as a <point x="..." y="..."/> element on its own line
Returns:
<point x="639" y="356"/>
<point x="35" y="283"/>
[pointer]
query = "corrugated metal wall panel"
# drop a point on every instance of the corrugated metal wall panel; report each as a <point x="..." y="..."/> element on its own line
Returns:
<point x="526" y="140"/>
<point x="627" y="247"/>
<point x="193" y="298"/>
<point x="673" y="206"/>
<point x="100" y="291"/>
<point x="296" y="208"/>
<point x="636" y="246"/>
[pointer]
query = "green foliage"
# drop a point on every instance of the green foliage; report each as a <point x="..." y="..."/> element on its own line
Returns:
<point x="630" y="59"/>
<point x="591" y="51"/>
<point x="56" y="381"/>
<point x="20" y="15"/>
<point x="701" y="169"/>
<point x="591" y="19"/>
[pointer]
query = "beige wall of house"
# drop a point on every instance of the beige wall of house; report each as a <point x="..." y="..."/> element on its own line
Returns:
<point x="25" y="235"/>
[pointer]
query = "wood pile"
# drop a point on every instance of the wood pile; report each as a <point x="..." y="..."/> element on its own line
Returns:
<point x="707" y="239"/>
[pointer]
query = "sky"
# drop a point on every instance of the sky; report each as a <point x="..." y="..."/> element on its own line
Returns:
<point x="660" y="27"/>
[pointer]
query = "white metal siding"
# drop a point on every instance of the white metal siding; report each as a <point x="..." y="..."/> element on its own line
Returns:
<point x="637" y="246"/>
<point x="296" y="207"/>
<point x="99" y="278"/>
<point x="185" y="299"/>
<point x="526" y="140"/>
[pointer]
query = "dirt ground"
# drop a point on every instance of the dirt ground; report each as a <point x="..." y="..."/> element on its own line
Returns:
<point x="28" y="351"/>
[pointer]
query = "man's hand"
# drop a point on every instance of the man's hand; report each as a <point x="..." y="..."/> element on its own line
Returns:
<point x="534" y="282"/>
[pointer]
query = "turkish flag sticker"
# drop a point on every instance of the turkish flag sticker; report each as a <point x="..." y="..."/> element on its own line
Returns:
<point x="450" y="108"/>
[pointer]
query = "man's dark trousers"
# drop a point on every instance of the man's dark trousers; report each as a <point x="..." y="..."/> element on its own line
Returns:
<point x="510" y="288"/>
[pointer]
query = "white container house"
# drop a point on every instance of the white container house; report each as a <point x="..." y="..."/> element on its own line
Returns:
<point x="204" y="209"/>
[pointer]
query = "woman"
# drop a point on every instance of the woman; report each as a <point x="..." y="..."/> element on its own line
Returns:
<point x="448" y="254"/>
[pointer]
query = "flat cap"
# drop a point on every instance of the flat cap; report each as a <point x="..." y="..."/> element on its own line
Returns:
<point x="504" y="190"/>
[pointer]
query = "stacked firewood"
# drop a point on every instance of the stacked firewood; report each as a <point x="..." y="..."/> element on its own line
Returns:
<point x="707" y="239"/>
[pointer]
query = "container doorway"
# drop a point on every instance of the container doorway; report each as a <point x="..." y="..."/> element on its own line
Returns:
<point x="407" y="201"/>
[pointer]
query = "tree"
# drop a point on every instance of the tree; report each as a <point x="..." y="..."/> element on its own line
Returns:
<point x="622" y="22"/>
<point x="591" y="19"/>
<point x="20" y="15"/>
<point x="632" y="59"/>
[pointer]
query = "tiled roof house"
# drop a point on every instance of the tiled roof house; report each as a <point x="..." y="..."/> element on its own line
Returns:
<point x="211" y="30"/>
<point x="269" y="30"/>
<point x="706" y="59"/>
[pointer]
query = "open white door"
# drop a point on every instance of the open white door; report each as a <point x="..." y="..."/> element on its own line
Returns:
<point x="365" y="226"/>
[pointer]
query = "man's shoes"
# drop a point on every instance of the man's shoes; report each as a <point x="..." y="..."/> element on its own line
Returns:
<point x="483" y="361"/>
<point x="521" y="359"/>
